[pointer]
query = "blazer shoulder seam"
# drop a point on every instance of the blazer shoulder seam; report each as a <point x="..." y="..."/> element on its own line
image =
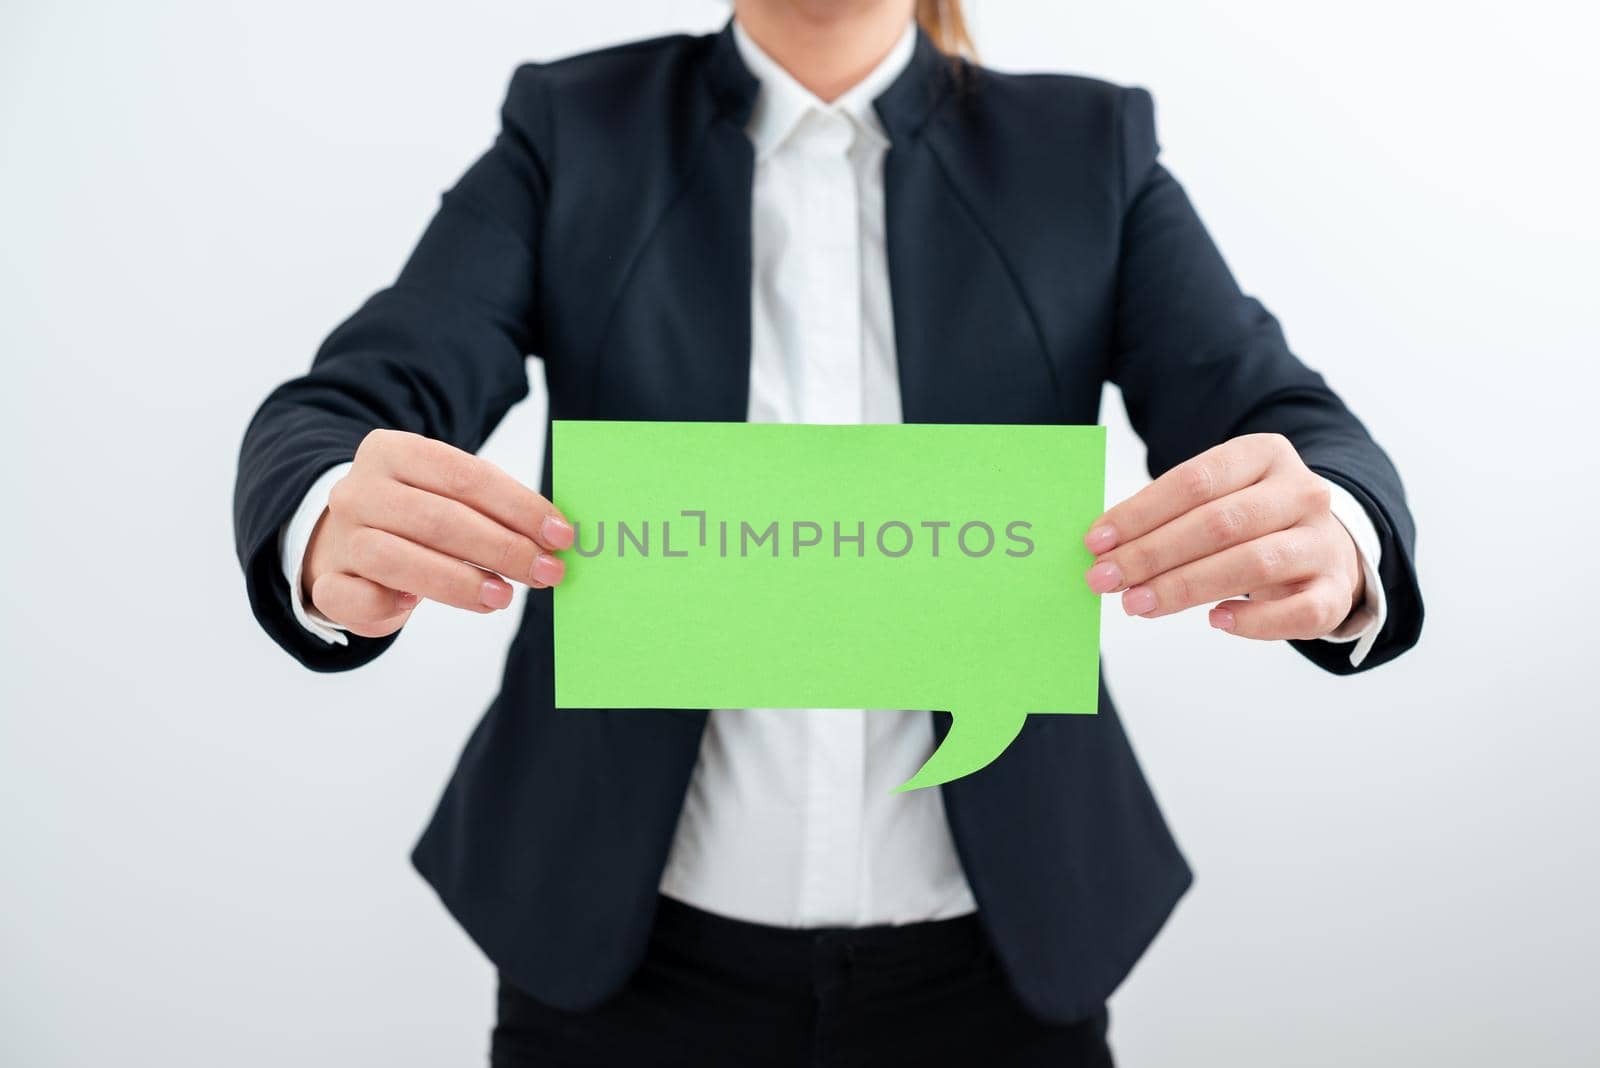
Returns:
<point x="647" y="44"/>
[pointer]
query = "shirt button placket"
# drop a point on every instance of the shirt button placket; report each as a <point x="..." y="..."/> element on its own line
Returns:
<point x="832" y="390"/>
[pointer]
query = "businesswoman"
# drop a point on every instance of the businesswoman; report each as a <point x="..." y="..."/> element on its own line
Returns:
<point x="819" y="214"/>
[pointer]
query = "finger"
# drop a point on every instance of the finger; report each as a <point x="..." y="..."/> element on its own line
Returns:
<point x="354" y="602"/>
<point x="460" y="476"/>
<point x="1215" y="473"/>
<point x="1233" y="520"/>
<point x="454" y="530"/>
<point x="381" y="629"/>
<point x="1279" y="558"/>
<point x="392" y="561"/>
<point x="1312" y="613"/>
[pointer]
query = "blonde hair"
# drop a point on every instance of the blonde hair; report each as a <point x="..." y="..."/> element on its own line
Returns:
<point x="943" y="21"/>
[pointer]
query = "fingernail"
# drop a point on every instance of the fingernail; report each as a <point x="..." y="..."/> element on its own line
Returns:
<point x="1100" y="539"/>
<point x="1104" y="577"/>
<point x="548" y="570"/>
<point x="1139" y="600"/>
<point x="1222" y="619"/>
<point x="495" y="594"/>
<point x="556" y="532"/>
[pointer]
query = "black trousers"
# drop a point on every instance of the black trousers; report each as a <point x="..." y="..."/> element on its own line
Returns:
<point x="714" y="992"/>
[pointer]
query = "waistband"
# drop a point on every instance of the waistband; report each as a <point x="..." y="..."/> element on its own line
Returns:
<point x="795" y="954"/>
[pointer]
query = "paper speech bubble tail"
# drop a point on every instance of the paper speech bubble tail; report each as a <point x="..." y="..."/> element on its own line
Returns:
<point x="974" y="740"/>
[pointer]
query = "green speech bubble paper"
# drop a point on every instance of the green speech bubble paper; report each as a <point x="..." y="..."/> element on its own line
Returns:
<point x="740" y="565"/>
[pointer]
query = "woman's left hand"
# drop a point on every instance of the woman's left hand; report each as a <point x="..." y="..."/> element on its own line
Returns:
<point x="1245" y="519"/>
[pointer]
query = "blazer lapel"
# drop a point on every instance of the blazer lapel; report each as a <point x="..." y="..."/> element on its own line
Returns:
<point x="968" y="345"/>
<point x="680" y="350"/>
<point x="716" y="211"/>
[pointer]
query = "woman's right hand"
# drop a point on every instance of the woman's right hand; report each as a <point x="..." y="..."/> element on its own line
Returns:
<point x="416" y="518"/>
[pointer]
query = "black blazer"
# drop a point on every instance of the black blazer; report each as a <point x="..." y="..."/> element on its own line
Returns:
<point x="1036" y="249"/>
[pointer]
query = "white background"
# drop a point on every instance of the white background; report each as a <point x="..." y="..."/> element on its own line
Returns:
<point x="203" y="847"/>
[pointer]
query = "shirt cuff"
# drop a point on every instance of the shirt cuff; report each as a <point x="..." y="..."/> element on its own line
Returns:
<point x="1366" y="620"/>
<point x="292" y="542"/>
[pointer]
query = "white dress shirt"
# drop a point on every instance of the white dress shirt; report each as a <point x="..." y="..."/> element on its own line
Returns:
<point x="791" y="819"/>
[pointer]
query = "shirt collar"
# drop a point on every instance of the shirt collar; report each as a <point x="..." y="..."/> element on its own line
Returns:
<point x="783" y="102"/>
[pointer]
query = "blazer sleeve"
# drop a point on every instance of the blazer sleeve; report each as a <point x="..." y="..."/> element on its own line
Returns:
<point x="1199" y="362"/>
<point x="441" y="352"/>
